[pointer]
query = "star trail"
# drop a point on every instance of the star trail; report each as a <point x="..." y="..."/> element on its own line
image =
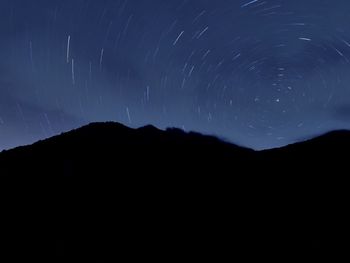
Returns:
<point x="261" y="74"/>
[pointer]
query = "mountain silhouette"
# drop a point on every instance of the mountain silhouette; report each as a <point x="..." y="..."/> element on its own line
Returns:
<point x="106" y="192"/>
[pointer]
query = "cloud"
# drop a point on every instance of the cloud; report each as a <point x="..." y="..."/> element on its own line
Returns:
<point x="342" y="112"/>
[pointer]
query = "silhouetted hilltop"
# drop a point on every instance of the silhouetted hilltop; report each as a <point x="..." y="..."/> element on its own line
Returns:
<point x="104" y="146"/>
<point x="323" y="157"/>
<point x="335" y="140"/>
<point x="105" y="191"/>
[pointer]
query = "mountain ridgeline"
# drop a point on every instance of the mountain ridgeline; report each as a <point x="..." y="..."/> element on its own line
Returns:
<point x="108" y="191"/>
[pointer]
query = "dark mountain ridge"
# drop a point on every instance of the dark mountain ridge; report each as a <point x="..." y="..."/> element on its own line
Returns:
<point x="108" y="191"/>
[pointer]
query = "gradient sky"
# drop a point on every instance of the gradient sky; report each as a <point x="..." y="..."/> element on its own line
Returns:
<point x="261" y="73"/>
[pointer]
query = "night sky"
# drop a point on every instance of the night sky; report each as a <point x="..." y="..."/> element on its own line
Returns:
<point x="261" y="73"/>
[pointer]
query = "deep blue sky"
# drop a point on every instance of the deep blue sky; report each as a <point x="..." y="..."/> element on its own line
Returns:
<point x="259" y="73"/>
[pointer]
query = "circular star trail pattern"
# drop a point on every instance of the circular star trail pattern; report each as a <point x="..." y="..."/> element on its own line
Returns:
<point x="261" y="74"/>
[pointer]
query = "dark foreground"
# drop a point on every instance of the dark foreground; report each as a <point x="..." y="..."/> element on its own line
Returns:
<point x="107" y="193"/>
